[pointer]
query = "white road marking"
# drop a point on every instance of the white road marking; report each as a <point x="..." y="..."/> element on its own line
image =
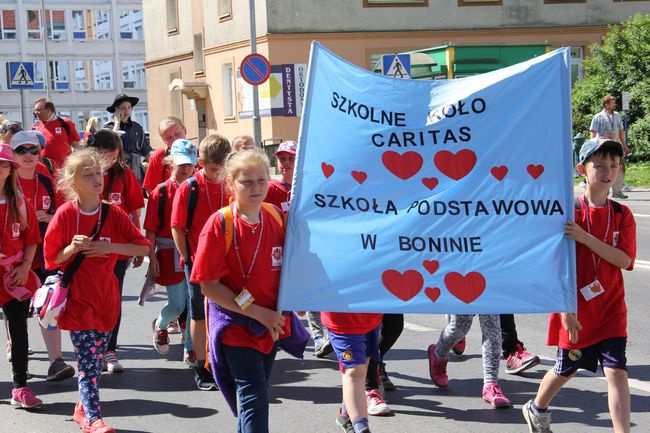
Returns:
<point x="634" y="383"/>
<point x="643" y="264"/>
<point x="641" y="215"/>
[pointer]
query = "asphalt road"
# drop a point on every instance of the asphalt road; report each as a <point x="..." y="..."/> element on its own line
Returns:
<point x="157" y="394"/>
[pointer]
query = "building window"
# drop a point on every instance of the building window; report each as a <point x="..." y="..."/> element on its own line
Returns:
<point x="55" y="23"/>
<point x="33" y="24"/>
<point x="59" y="75"/>
<point x="228" y="88"/>
<point x="91" y="24"/>
<point x="93" y="75"/>
<point x="176" y="96"/>
<point x="140" y="116"/>
<point x="394" y="3"/>
<point x="576" y="64"/>
<point x="198" y="54"/>
<point x="131" y="25"/>
<point x="8" y="24"/>
<point x="480" y="2"/>
<point x="133" y="74"/>
<point x="224" y="9"/>
<point x="172" y="17"/>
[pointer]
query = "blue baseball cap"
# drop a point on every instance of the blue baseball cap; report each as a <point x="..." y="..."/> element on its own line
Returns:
<point x="41" y="138"/>
<point x="22" y="138"/>
<point x="598" y="143"/>
<point x="184" y="152"/>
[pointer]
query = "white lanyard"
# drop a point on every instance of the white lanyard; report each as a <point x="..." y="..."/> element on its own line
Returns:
<point x="609" y="221"/>
<point x="34" y="203"/>
<point x="611" y="120"/>
<point x="247" y="275"/>
<point x="98" y="219"/>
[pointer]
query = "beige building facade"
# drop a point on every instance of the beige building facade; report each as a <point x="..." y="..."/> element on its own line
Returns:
<point x="193" y="48"/>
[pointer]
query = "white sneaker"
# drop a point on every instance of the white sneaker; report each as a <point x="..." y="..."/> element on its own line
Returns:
<point x="376" y="404"/>
<point x="627" y="188"/>
<point x="111" y="363"/>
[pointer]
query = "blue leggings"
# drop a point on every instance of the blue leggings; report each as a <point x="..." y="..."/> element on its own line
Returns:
<point x="89" y="348"/>
<point x="177" y="300"/>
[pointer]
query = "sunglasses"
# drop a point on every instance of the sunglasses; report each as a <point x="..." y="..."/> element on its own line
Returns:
<point x="12" y="127"/>
<point x="21" y="150"/>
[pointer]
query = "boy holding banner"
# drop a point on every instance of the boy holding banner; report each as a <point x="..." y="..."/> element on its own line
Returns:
<point x="605" y="235"/>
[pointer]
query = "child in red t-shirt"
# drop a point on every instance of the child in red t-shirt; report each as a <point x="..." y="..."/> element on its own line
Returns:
<point x="164" y="259"/>
<point x="38" y="190"/>
<point x="170" y="129"/>
<point x="93" y="303"/>
<point x="211" y="195"/>
<point x="18" y="242"/>
<point x="121" y="187"/>
<point x="241" y="282"/>
<point x="605" y="235"/>
<point x="355" y="340"/>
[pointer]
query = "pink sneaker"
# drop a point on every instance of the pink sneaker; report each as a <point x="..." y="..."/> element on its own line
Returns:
<point x="25" y="398"/>
<point x="459" y="348"/>
<point x="97" y="426"/>
<point x="437" y="368"/>
<point x="520" y="360"/>
<point x="79" y="415"/>
<point x="492" y="394"/>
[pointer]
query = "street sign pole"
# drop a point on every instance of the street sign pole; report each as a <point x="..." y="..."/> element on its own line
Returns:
<point x="22" y="109"/>
<point x="46" y="76"/>
<point x="257" y="125"/>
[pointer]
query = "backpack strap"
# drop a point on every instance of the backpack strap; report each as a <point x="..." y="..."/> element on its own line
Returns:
<point x="162" y="201"/>
<point x="65" y="126"/>
<point x="228" y="221"/>
<point x="76" y="262"/>
<point x="47" y="162"/>
<point x="47" y="183"/>
<point x="191" y="202"/>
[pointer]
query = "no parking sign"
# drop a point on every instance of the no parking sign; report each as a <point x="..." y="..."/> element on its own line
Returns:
<point x="255" y="69"/>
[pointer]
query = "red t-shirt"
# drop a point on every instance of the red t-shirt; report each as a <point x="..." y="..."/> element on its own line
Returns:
<point x="94" y="297"/>
<point x="206" y="205"/>
<point x="351" y="323"/>
<point x="604" y="316"/>
<point x="58" y="141"/>
<point x="38" y="197"/>
<point x="212" y="263"/>
<point x="13" y="239"/>
<point x="279" y="194"/>
<point x="125" y="192"/>
<point x="168" y="276"/>
<point x="157" y="171"/>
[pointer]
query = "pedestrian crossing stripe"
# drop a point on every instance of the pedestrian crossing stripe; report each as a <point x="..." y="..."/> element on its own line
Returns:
<point x="397" y="69"/>
<point x="21" y="77"/>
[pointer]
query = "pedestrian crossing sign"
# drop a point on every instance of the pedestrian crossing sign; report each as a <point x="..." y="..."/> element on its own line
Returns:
<point x="20" y="75"/>
<point x="396" y="65"/>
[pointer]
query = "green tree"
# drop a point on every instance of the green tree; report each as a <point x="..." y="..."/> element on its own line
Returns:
<point x="620" y="64"/>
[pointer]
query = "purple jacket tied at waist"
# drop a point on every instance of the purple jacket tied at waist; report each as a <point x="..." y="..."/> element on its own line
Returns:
<point x="219" y="319"/>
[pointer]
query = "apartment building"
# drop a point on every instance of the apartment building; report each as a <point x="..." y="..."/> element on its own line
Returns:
<point x="194" y="47"/>
<point x="95" y="50"/>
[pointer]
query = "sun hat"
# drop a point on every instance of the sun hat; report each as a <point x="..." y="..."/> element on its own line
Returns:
<point x="7" y="154"/>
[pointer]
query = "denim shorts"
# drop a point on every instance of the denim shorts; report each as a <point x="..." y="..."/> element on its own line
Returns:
<point x="610" y="353"/>
<point x="197" y="300"/>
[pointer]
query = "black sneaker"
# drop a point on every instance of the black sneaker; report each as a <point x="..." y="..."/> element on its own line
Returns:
<point x="383" y="377"/>
<point x="344" y="423"/>
<point x="59" y="370"/>
<point x="204" y="380"/>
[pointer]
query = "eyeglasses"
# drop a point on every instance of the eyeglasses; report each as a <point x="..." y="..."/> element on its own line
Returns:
<point x="36" y="110"/>
<point x="21" y="150"/>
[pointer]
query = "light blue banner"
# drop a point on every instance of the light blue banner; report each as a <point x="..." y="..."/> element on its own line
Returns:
<point x="432" y="196"/>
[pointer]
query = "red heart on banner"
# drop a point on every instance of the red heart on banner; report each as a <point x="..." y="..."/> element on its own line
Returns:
<point x="455" y="165"/>
<point x="432" y="293"/>
<point x="535" y="171"/>
<point x="405" y="286"/>
<point x="430" y="182"/>
<point x="499" y="172"/>
<point x="467" y="288"/>
<point x="403" y="166"/>
<point x="359" y="176"/>
<point x="327" y="169"/>
<point x="431" y="266"/>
